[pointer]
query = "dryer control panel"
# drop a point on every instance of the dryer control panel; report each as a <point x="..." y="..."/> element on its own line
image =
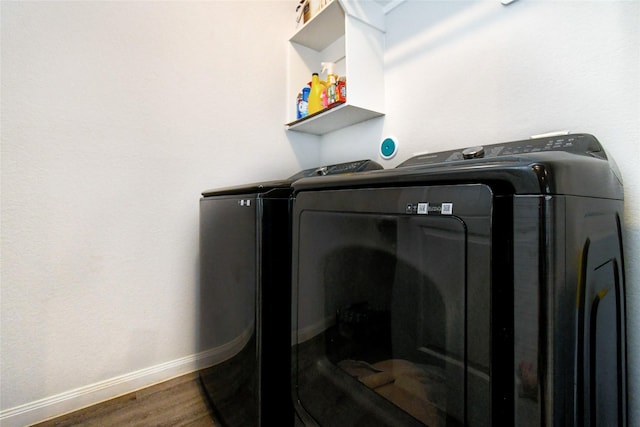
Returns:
<point x="579" y="144"/>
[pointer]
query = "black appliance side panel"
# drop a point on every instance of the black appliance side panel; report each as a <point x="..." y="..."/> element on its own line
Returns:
<point x="227" y="318"/>
<point x="274" y="313"/>
<point x="569" y="315"/>
<point x="595" y="243"/>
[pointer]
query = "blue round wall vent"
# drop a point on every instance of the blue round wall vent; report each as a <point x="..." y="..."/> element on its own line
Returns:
<point x="388" y="148"/>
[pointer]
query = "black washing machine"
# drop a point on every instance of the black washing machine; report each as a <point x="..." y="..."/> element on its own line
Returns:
<point x="244" y="324"/>
<point x="475" y="287"/>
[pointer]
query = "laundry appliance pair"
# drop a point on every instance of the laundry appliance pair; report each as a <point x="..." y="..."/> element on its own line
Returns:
<point x="474" y="287"/>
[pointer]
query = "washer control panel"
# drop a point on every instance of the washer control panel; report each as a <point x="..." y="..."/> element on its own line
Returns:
<point x="339" y="169"/>
<point x="580" y="144"/>
<point x="349" y="167"/>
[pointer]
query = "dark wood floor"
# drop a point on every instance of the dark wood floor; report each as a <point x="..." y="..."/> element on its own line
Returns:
<point x="178" y="402"/>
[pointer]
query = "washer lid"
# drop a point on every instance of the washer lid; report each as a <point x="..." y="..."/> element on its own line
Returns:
<point x="253" y="188"/>
<point x="263" y="187"/>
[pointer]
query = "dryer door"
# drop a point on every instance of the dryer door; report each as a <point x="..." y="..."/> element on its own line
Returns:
<point x="391" y="306"/>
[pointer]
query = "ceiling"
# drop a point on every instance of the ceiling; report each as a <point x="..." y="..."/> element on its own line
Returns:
<point x="388" y="5"/>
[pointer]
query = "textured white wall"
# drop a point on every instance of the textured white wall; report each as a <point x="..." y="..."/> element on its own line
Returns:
<point x="115" y="116"/>
<point x="460" y="73"/>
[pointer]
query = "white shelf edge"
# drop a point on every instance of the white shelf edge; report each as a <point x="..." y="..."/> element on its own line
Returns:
<point x="334" y="119"/>
<point x="322" y="29"/>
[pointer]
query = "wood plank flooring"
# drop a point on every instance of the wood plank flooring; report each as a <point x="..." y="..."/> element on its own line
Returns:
<point x="178" y="402"/>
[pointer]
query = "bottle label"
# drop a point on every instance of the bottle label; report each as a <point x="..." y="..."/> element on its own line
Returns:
<point x="342" y="92"/>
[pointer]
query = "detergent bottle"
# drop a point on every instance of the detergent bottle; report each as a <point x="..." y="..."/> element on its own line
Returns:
<point x="331" y="82"/>
<point x="341" y="89"/>
<point x="315" y="96"/>
<point x="302" y="102"/>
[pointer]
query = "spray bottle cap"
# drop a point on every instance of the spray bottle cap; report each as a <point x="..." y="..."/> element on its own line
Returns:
<point x="328" y="67"/>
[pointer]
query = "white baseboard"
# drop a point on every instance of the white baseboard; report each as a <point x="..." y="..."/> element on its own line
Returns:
<point x="82" y="397"/>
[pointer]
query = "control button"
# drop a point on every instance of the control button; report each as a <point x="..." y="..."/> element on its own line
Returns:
<point x="473" y="152"/>
<point x="322" y="171"/>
